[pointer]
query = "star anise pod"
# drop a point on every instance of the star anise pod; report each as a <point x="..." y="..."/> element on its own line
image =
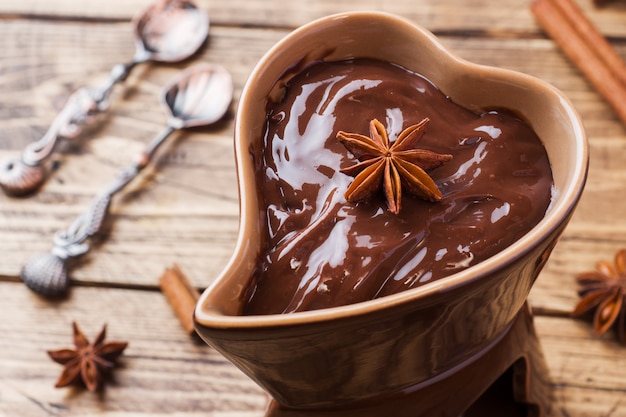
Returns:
<point x="603" y="292"/>
<point x="89" y="361"/>
<point x="393" y="166"/>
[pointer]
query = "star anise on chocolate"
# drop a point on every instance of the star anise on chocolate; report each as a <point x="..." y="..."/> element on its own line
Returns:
<point x="88" y="362"/>
<point x="603" y="293"/>
<point x="393" y="166"/>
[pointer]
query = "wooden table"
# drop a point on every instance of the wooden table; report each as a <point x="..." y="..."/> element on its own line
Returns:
<point x="185" y="208"/>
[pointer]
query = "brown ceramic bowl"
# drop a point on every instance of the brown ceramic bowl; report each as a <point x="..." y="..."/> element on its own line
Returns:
<point x="339" y="355"/>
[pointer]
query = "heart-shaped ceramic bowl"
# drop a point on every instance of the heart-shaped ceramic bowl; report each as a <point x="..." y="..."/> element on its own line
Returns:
<point x="339" y="355"/>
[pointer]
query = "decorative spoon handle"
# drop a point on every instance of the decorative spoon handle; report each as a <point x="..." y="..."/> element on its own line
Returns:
<point x="69" y="243"/>
<point x="47" y="273"/>
<point x="24" y="175"/>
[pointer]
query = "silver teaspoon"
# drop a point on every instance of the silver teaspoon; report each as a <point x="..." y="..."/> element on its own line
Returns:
<point x="199" y="96"/>
<point x="167" y="31"/>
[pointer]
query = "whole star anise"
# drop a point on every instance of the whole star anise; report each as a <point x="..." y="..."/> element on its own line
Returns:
<point x="89" y="361"/>
<point x="603" y="291"/>
<point x="393" y="166"/>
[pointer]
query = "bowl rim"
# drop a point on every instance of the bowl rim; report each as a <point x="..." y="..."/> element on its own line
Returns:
<point x="561" y="208"/>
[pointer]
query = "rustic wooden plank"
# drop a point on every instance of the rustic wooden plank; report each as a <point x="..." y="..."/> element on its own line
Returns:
<point x="595" y="232"/>
<point x="437" y="15"/>
<point x="163" y="371"/>
<point x="240" y="50"/>
<point x="58" y="58"/>
<point x="587" y="373"/>
<point x="185" y="209"/>
<point x="48" y="61"/>
<point x="578" y="359"/>
<point x="577" y="402"/>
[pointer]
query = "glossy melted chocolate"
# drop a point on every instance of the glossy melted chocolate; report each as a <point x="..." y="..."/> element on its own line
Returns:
<point x="321" y="251"/>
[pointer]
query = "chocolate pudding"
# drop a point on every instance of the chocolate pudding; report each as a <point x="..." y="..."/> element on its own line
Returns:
<point x="321" y="251"/>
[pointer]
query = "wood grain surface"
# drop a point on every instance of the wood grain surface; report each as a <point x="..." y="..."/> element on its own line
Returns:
<point x="184" y="209"/>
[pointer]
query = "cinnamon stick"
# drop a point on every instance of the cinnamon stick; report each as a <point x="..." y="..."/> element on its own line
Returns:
<point x="585" y="46"/>
<point x="594" y="38"/>
<point x="181" y="295"/>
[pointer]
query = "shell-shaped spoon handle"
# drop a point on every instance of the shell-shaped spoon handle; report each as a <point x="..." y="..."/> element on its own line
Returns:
<point x="46" y="273"/>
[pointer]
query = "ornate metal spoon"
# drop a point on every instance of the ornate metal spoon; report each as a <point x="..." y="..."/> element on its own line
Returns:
<point x="167" y="31"/>
<point x="199" y="96"/>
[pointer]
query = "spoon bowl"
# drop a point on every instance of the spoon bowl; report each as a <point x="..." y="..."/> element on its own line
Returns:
<point x="199" y="97"/>
<point x="170" y="31"/>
